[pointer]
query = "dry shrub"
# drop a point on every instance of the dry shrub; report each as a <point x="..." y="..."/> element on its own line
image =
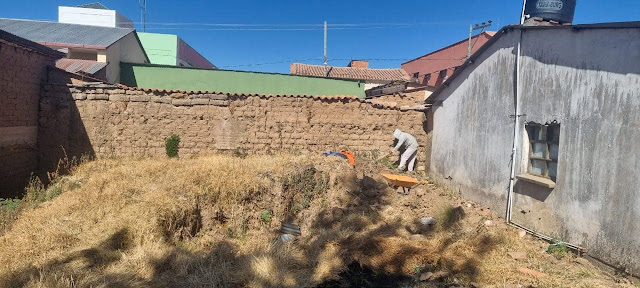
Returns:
<point x="164" y="223"/>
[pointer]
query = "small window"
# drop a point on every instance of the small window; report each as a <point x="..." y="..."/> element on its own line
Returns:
<point x="443" y="74"/>
<point x="416" y="75"/>
<point x="544" y="143"/>
<point x="427" y="78"/>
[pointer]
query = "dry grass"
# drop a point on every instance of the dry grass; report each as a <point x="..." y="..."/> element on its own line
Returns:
<point x="201" y="223"/>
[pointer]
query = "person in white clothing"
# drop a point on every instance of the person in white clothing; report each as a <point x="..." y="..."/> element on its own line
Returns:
<point x="410" y="149"/>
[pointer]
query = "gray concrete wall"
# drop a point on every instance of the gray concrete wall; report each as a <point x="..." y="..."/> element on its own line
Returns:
<point x="472" y="130"/>
<point x="589" y="82"/>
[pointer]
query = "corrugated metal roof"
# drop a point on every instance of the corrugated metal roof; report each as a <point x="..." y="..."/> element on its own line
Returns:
<point x="94" y="5"/>
<point x="350" y="72"/>
<point x="77" y="65"/>
<point x="63" y="33"/>
<point x="30" y="44"/>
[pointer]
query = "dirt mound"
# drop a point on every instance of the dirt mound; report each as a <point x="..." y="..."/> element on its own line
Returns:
<point x="214" y="220"/>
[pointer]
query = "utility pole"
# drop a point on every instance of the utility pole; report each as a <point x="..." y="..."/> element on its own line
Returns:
<point x="326" y="64"/>
<point x="471" y="29"/>
<point x="143" y="14"/>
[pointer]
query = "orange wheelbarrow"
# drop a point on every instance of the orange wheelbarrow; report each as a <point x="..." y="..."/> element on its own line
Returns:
<point x="406" y="182"/>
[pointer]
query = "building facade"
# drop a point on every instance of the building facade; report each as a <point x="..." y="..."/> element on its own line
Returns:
<point x="434" y="68"/>
<point x="570" y="101"/>
<point x="24" y="68"/>
<point x="95" y="47"/>
<point x="356" y="70"/>
<point x="167" y="77"/>
<point x="168" y="49"/>
<point x="94" y="14"/>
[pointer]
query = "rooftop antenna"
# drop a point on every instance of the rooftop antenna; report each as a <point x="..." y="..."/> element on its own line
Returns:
<point x="143" y="14"/>
<point x="326" y="64"/>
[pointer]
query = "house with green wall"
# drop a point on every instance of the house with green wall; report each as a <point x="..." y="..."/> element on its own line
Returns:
<point x="192" y="79"/>
<point x="169" y="49"/>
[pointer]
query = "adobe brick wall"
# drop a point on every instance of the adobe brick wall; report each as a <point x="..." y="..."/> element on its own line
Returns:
<point x="22" y="70"/>
<point x="108" y="120"/>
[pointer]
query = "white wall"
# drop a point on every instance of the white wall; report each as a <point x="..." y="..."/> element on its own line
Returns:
<point x="372" y="84"/>
<point x="126" y="49"/>
<point x="86" y="16"/>
<point x="93" y="17"/>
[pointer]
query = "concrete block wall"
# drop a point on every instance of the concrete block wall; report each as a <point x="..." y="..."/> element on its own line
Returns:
<point x="22" y="70"/>
<point x="120" y="121"/>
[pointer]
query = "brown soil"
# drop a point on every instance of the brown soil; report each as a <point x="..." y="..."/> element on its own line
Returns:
<point x="212" y="221"/>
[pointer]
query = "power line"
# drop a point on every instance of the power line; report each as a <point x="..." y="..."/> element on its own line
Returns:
<point x="344" y="59"/>
<point x="295" y="24"/>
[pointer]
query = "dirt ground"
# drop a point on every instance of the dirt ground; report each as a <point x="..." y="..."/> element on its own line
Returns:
<point x="214" y="221"/>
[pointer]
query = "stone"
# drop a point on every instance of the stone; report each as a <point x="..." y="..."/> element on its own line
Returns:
<point x="522" y="233"/>
<point x="417" y="237"/>
<point x="488" y="223"/>
<point x="219" y="102"/>
<point x="426" y="276"/>
<point x="79" y="96"/>
<point x="181" y="102"/>
<point x="218" y="97"/>
<point x="517" y="255"/>
<point x="139" y="98"/>
<point x="200" y="101"/>
<point x="531" y="272"/>
<point x="421" y="168"/>
<point x="428" y="221"/>
<point x="98" y="97"/>
<point x="285" y="238"/>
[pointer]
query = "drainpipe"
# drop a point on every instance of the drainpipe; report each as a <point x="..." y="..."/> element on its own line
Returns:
<point x="516" y="132"/>
<point x="514" y="149"/>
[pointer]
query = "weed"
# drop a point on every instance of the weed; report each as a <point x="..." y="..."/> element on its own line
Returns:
<point x="584" y="273"/>
<point x="231" y="233"/>
<point x="450" y="216"/>
<point x="239" y="153"/>
<point x="557" y="248"/>
<point x="54" y="191"/>
<point x="375" y="154"/>
<point x="245" y="227"/>
<point x="266" y="216"/>
<point x="9" y="206"/>
<point x="74" y="185"/>
<point x="295" y="209"/>
<point x="171" y="145"/>
<point x="304" y="187"/>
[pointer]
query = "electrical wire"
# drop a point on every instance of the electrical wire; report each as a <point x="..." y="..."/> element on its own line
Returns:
<point x="345" y="59"/>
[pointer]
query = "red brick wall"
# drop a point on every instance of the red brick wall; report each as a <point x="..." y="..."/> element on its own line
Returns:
<point x="21" y="73"/>
<point x="444" y="59"/>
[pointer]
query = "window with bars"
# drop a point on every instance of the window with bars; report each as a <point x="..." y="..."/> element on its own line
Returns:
<point x="544" y="143"/>
<point x="427" y="78"/>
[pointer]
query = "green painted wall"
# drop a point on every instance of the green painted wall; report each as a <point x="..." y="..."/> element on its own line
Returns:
<point x="180" y="78"/>
<point x="161" y="48"/>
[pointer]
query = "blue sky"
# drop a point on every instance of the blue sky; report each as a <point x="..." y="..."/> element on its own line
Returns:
<point x="417" y="26"/>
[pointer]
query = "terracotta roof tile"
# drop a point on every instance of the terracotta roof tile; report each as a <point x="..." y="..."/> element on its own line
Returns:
<point x="350" y="72"/>
<point x="383" y="105"/>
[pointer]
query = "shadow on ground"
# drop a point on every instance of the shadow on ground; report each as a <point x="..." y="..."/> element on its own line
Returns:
<point x="353" y="245"/>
